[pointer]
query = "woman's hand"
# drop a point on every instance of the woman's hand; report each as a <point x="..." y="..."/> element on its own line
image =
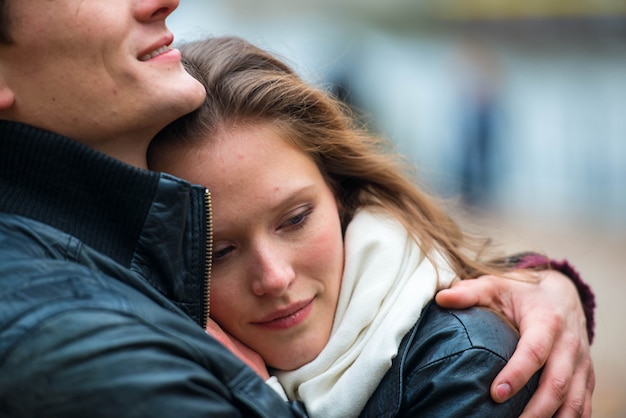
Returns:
<point x="251" y="358"/>
<point x="553" y="335"/>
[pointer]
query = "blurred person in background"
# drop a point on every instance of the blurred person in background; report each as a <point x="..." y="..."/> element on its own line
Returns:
<point x="479" y="79"/>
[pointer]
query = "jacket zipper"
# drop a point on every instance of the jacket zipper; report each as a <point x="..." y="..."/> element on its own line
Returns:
<point x="208" y="256"/>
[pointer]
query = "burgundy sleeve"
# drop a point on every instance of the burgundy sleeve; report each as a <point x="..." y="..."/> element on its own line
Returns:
<point x="587" y="297"/>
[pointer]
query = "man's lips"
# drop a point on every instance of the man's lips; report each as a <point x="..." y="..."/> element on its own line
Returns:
<point x="156" y="49"/>
<point x="287" y="317"/>
<point x="155" y="53"/>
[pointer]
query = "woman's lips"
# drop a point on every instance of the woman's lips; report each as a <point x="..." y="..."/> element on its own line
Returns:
<point x="288" y="317"/>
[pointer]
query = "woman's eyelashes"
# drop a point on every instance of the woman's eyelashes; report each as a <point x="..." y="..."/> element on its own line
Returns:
<point x="298" y="220"/>
<point x="220" y="253"/>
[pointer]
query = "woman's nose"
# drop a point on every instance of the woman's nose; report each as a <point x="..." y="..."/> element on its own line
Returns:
<point x="274" y="274"/>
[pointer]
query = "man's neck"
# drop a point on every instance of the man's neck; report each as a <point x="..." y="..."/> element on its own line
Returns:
<point x="131" y="151"/>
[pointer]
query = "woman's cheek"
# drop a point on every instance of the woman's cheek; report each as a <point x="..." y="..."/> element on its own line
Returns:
<point x="326" y="255"/>
<point x="227" y="301"/>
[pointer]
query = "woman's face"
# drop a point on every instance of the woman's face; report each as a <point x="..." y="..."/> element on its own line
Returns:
<point x="278" y="246"/>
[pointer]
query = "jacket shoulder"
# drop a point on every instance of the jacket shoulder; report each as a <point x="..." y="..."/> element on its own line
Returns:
<point x="441" y="333"/>
<point x="445" y="367"/>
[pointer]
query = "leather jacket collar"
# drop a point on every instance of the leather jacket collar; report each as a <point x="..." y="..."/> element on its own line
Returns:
<point x="151" y="223"/>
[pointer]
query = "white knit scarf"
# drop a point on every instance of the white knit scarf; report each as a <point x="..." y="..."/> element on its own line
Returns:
<point x="387" y="281"/>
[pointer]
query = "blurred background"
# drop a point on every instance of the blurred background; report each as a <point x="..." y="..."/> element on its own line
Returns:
<point x="516" y="110"/>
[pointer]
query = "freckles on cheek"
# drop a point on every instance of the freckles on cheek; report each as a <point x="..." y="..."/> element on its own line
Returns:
<point x="218" y="298"/>
<point x="226" y="301"/>
<point x="327" y="252"/>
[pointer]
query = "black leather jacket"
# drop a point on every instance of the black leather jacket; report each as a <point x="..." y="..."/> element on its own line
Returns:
<point x="102" y="288"/>
<point x="445" y="367"/>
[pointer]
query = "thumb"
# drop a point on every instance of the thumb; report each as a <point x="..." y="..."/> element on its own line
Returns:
<point x="482" y="291"/>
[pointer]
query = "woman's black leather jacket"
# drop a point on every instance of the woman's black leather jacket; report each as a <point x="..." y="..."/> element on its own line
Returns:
<point x="445" y="367"/>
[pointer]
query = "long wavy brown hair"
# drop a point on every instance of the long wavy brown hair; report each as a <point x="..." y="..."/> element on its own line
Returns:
<point x="248" y="85"/>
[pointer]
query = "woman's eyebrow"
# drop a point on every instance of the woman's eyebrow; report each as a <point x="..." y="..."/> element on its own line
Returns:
<point x="295" y="194"/>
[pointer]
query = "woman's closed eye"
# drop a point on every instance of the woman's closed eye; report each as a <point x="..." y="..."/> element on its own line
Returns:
<point x="221" y="253"/>
<point x="299" y="220"/>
